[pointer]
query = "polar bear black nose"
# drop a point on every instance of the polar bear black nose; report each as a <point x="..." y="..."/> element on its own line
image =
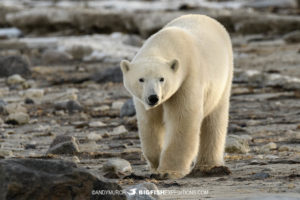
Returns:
<point x="153" y="99"/>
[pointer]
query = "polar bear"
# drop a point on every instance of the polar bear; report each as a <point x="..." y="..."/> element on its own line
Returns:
<point x="180" y="81"/>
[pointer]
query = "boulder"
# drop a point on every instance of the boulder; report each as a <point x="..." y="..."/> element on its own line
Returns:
<point x="50" y="179"/>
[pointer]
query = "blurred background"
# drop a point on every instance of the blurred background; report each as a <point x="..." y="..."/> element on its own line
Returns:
<point x="62" y="97"/>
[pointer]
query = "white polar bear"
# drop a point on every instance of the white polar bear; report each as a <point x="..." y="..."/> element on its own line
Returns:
<point x="180" y="81"/>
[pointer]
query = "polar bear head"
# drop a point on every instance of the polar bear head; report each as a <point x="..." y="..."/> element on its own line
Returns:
<point x="151" y="81"/>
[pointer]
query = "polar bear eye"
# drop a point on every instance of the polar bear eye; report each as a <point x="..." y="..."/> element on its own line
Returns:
<point x="141" y="80"/>
<point x="161" y="79"/>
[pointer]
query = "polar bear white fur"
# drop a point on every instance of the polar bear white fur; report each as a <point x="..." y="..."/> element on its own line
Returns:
<point x="180" y="81"/>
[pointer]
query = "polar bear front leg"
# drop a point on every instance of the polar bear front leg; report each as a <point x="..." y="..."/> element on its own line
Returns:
<point x="182" y="138"/>
<point x="212" y="141"/>
<point x="151" y="132"/>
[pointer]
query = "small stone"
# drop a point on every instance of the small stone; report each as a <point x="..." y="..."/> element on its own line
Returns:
<point x="119" y="130"/>
<point x="101" y="108"/>
<point x="6" y="153"/>
<point x="128" y="109"/>
<point x="15" y="79"/>
<point x="260" y="175"/>
<point x="30" y="146"/>
<point x="28" y="101"/>
<point x="34" y="93"/>
<point x="70" y="106"/>
<point x="118" y="166"/>
<point x="117" y="105"/>
<point x="75" y="159"/>
<point x="94" y="136"/>
<point x="291" y="186"/>
<point x="96" y="124"/>
<point x="134" y="192"/>
<point x="18" y="118"/>
<point x="63" y="144"/>
<point x="267" y="147"/>
<point x="69" y="148"/>
<point x="283" y="148"/>
<point x="236" y="144"/>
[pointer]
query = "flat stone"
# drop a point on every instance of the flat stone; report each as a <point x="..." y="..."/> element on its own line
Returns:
<point x="34" y="93"/>
<point x="94" y="136"/>
<point x="96" y="124"/>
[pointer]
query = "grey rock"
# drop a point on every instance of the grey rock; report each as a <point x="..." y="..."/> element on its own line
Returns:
<point x="260" y="175"/>
<point x="15" y="80"/>
<point x="10" y="65"/>
<point x="109" y="75"/>
<point x="64" y="145"/>
<point x="54" y="56"/>
<point x="117" y="166"/>
<point x="50" y="179"/>
<point x="127" y="109"/>
<point x="70" y="106"/>
<point x="133" y="193"/>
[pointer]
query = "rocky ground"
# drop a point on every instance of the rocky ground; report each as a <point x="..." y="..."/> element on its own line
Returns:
<point x="68" y="102"/>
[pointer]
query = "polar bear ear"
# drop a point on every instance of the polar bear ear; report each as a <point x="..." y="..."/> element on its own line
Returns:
<point x="125" y="66"/>
<point x="174" y="65"/>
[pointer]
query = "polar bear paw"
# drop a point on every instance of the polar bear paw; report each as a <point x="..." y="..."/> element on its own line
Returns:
<point x="165" y="174"/>
<point x="205" y="171"/>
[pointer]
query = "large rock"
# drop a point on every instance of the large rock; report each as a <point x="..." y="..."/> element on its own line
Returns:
<point x="50" y="179"/>
<point x="10" y="65"/>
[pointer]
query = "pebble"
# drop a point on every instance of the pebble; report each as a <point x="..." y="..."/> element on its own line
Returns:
<point x="283" y="148"/>
<point x="34" y="93"/>
<point x="28" y="101"/>
<point x="18" y="118"/>
<point x="94" y="136"/>
<point x="260" y="175"/>
<point x="118" y="166"/>
<point x="101" y="108"/>
<point x="127" y="109"/>
<point x="70" y="106"/>
<point x="236" y="144"/>
<point x="133" y="192"/>
<point x="96" y="124"/>
<point x="119" y="130"/>
<point x="75" y="159"/>
<point x="15" y="79"/>
<point x="117" y="105"/>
